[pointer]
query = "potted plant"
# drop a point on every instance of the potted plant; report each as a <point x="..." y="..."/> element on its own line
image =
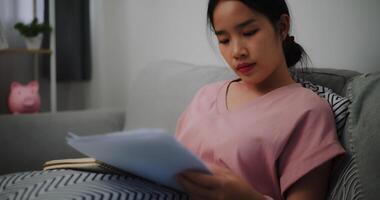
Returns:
<point x="33" y="32"/>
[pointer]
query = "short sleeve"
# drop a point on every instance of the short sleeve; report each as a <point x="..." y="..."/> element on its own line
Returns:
<point x="312" y="143"/>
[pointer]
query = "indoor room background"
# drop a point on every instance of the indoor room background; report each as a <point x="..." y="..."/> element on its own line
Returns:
<point x="125" y="35"/>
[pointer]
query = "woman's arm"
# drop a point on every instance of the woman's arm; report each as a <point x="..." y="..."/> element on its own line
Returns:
<point x="223" y="184"/>
<point x="313" y="186"/>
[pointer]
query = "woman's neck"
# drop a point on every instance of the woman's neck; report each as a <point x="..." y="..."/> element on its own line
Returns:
<point x="279" y="78"/>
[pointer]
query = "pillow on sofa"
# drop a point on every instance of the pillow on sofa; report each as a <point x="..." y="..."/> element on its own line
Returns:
<point x="77" y="184"/>
<point x="339" y="104"/>
<point x="163" y="89"/>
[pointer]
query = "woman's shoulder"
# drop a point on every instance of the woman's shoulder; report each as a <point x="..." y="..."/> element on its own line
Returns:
<point x="306" y="99"/>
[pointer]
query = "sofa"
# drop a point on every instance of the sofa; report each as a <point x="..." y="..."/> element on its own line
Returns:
<point x="158" y="95"/>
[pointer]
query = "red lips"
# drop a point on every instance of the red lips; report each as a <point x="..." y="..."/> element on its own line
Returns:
<point x="245" y="68"/>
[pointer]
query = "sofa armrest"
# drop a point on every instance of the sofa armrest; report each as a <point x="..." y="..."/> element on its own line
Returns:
<point x="27" y="141"/>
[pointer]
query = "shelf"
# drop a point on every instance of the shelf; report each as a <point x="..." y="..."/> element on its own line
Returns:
<point x="26" y="51"/>
<point x="36" y="54"/>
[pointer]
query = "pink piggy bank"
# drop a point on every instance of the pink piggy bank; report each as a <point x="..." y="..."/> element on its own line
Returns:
<point x="24" y="98"/>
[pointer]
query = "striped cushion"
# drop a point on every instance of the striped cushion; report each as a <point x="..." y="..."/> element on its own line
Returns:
<point x="345" y="182"/>
<point x="71" y="184"/>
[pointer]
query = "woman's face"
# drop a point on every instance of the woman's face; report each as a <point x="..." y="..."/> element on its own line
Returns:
<point x="248" y="42"/>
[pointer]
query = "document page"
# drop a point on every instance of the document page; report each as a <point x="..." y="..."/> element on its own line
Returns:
<point x="150" y="153"/>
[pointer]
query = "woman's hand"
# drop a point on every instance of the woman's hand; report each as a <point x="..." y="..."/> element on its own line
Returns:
<point x="223" y="184"/>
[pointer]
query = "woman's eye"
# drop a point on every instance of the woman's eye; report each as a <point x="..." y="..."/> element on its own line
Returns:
<point x="223" y="41"/>
<point x="250" y="33"/>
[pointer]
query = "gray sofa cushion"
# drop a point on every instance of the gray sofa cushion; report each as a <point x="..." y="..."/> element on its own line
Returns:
<point x="357" y="174"/>
<point x="163" y="89"/>
<point x="150" y="100"/>
<point x="27" y="141"/>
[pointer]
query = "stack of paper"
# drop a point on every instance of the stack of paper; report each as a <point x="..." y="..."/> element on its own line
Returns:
<point x="150" y="153"/>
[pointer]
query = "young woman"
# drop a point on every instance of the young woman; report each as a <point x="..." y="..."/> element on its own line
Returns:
<point x="263" y="135"/>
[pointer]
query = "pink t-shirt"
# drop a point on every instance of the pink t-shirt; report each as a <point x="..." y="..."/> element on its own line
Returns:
<point x="271" y="142"/>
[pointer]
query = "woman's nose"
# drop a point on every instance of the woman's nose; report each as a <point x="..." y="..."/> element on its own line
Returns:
<point x="239" y="49"/>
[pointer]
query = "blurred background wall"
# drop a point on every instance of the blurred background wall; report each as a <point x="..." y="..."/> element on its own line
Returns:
<point x="128" y="34"/>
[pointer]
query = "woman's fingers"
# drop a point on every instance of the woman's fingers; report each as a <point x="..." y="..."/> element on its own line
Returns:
<point x="203" y="180"/>
<point x="196" y="191"/>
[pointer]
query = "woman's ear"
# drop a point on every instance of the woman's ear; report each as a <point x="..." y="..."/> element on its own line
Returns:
<point x="283" y="26"/>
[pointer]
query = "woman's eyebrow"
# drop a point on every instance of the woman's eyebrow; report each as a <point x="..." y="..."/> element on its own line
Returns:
<point x="244" y="24"/>
<point x="239" y="26"/>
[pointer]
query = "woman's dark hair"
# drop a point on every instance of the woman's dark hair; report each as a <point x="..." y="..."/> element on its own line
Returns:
<point x="272" y="9"/>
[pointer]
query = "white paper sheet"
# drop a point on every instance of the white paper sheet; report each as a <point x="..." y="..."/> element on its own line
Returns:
<point x="149" y="153"/>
